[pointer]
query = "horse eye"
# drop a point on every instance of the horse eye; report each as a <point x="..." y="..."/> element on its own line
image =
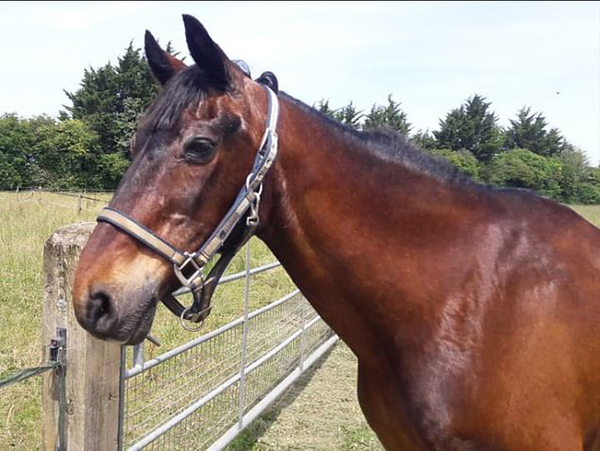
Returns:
<point x="199" y="149"/>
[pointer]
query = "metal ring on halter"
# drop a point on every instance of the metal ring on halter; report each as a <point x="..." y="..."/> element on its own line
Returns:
<point x="188" y="328"/>
<point x="260" y="187"/>
<point x="252" y="220"/>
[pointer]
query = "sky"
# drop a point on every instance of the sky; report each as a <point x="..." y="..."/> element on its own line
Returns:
<point x="430" y="56"/>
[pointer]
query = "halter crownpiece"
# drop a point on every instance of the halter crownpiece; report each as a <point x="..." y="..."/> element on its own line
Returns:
<point x="188" y="266"/>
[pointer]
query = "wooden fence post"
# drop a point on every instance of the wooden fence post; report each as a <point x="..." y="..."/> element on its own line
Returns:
<point x="92" y="374"/>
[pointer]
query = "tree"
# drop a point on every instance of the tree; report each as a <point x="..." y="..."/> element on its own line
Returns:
<point x="110" y="170"/>
<point x="575" y="170"/>
<point x="424" y="140"/>
<point x="521" y="168"/>
<point x="472" y="127"/>
<point x="111" y="99"/>
<point x="63" y="156"/>
<point x="17" y="139"/>
<point x="390" y="115"/>
<point x="41" y="151"/>
<point x="323" y="107"/>
<point x="462" y="159"/>
<point x="88" y="145"/>
<point x="348" y="115"/>
<point x="529" y="131"/>
<point x="588" y="192"/>
<point x="96" y="103"/>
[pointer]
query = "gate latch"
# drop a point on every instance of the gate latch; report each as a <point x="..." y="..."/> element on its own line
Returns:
<point x="58" y="345"/>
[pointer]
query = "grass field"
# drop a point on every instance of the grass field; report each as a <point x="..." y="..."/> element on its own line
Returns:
<point x="323" y="416"/>
<point x="590" y="212"/>
<point x="26" y="221"/>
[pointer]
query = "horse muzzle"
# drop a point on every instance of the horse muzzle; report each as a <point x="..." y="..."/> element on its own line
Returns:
<point x="111" y="314"/>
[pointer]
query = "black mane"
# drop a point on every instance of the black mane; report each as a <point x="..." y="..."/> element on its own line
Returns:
<point x="186" y="88"/>
<point x="389" y="145"/>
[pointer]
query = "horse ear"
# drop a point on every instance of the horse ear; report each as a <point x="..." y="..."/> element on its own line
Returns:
<point x="163" y="64"/>
<point x="206" y="54"/>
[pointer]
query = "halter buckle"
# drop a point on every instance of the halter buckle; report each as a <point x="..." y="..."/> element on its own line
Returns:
<point x="189" y="281"/>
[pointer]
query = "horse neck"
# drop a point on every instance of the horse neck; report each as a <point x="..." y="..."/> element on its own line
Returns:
<point x="354" y="230"/>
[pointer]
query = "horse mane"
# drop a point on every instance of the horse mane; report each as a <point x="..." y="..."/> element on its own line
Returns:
<point x="186" y="88"/>
<point x="386" y="144"/>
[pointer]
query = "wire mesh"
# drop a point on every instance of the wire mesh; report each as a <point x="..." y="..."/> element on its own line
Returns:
<point x="204" y="426"/>
<point x="165" y="392"/>
<point x="157" y="395"/>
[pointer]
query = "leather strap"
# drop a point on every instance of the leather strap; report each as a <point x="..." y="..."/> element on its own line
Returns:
<point x="141" y="233"/>
<point x="247" y="198"/>
<point x="202" y="305"/>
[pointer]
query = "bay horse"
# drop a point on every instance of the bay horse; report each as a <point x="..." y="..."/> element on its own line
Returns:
<point x="474" y="312"/>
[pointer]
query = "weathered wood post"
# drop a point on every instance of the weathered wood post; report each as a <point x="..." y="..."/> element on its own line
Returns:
<point x="92" y="369"/>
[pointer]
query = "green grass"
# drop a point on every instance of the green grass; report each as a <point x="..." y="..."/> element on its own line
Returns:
<point x="319" y="413"/>
<point x="590" y="212"/>
<point x="26" y="221"/>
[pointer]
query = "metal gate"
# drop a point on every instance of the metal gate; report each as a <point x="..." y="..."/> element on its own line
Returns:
<point x="202" y="394"/>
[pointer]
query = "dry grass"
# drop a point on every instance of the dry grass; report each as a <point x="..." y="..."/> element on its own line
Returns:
<point x="320" y="412"/>
<point x="590" y="212"/>
<point x="26" y="221"/>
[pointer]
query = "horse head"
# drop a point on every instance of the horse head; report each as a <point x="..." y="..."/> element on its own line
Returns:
<point x="193" y="150"/>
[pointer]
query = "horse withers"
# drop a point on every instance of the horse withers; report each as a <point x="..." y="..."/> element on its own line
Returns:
<point x="474" y="311"/>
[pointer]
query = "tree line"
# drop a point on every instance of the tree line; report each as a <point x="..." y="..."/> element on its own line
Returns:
<point x="87" y="146"/>
<point x="527" y="154"/>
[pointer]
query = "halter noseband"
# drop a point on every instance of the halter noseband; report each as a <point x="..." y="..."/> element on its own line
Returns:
<point x="188" y="266"/>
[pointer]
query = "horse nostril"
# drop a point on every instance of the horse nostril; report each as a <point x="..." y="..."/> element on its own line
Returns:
<point x="100" y="309"/>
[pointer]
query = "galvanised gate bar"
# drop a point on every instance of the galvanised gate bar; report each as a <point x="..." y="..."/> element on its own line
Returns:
<point x="202" y="394"/>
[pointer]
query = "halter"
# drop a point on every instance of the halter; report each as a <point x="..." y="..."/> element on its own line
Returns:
<point x="188" y="266"/>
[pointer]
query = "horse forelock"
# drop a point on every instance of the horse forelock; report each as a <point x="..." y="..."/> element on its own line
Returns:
<point x="187" y="88"/>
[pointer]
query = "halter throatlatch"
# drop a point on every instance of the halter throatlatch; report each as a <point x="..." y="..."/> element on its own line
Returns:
<point x="188" y="266"/>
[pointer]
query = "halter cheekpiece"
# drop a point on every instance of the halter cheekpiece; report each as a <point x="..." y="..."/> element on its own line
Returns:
<point x="188" y="266"/>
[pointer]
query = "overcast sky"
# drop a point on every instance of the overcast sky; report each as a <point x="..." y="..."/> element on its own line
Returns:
<point x="430" y="56"/>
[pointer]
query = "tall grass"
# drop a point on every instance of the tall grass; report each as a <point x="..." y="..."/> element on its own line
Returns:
<point x="26" y="221"/>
